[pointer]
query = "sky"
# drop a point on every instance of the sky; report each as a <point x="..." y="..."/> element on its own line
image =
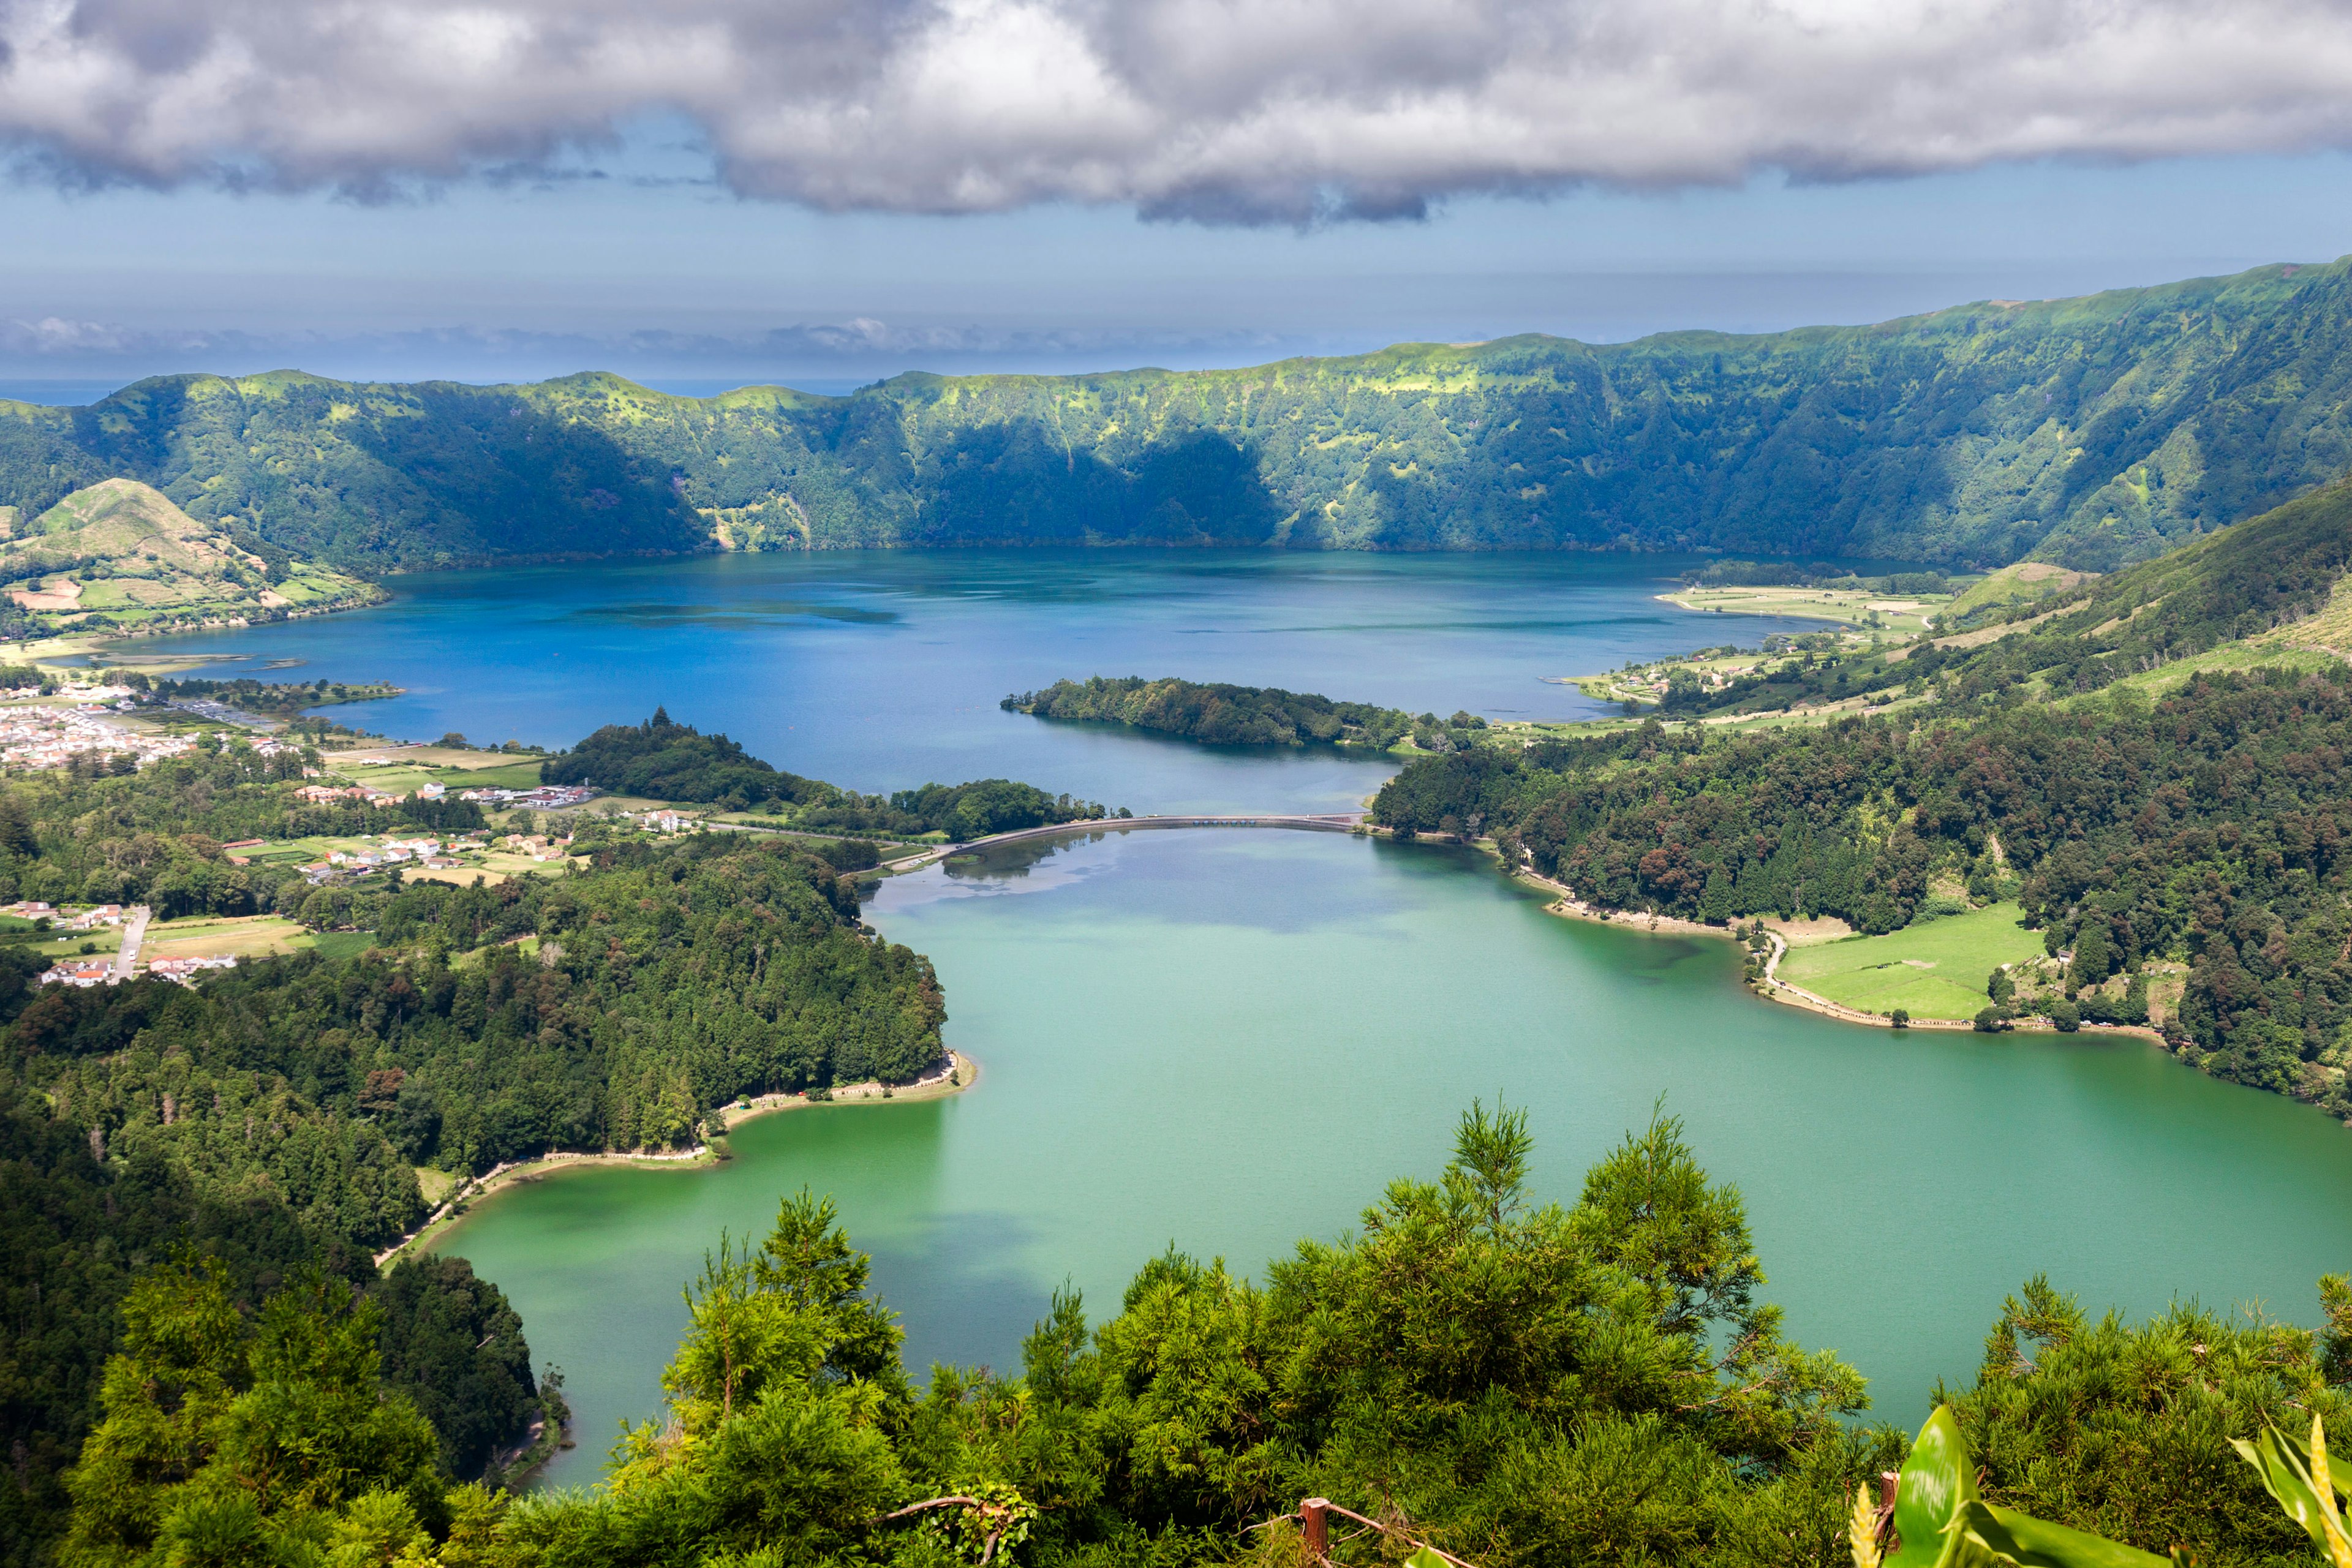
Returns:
<point x="714" y="191"/>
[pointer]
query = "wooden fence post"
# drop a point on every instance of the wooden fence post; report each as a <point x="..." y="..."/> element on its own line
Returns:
<point x="1315" y="1523"/>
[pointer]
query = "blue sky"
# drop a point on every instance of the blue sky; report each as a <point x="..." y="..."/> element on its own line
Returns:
<point x="1194" y="215"/>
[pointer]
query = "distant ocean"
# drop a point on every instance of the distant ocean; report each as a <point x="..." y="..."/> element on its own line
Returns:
<point x="58" y="393"/>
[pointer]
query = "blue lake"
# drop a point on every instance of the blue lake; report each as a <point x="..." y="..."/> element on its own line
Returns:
<point x="883" y="669"/>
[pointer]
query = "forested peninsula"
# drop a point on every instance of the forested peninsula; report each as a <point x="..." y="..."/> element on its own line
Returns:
<point x="2151" y="764"/>
<point x="2090" y="432"/>
<point x="275" y="1118"/>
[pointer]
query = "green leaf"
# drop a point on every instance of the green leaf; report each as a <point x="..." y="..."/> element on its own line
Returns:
<point x="2284" y="1466"/>
<point x="1936" y="1480"/>
<point x="2034" y="1544"/>
<point x="2300" y="1446"/>
<point x="1425" y="1558"/>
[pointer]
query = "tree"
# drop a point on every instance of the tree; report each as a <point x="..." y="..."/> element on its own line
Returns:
<point x="1714" y="904"/>
<point x="454" y="1345"/>
<point x="2094" y="953"/>
<point x="218" y="1434"/>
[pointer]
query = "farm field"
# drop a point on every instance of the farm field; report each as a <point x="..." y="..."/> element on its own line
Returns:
<point x="1937" y="970"/>
<point x="402" y="768"/>
<point x="69" y="945"/>
<point x="318" y="847"/>
<point x="341" y="944"/>
<point x="1907" y="614"/>
<point x="217" y="936"/>
<point x="462" y="875"/>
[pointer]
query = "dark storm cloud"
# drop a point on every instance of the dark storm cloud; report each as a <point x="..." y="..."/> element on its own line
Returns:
<point x="1217" y="110"/>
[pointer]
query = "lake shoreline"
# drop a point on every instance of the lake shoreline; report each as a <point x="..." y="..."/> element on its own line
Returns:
<point x="951" y="1078"/>
<point x="1567" y="906"/>
<point x="941" y="1082"/>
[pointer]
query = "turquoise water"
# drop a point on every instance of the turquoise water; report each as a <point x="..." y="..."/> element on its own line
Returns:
<point x="883" y="671"/>
<point x="1231" y="1039"/>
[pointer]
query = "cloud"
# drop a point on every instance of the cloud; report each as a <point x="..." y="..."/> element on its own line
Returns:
<point x="1218" y="110"/>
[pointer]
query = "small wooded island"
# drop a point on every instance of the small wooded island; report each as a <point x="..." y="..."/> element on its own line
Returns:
<point x="1222" y="715"/>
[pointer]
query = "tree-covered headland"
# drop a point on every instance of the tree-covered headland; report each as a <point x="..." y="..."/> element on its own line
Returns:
<point x="665" y="759"/>
<point x="275" y="1118"/>
<point x="2151" y="763"/>
<point x="1226" y="715"/>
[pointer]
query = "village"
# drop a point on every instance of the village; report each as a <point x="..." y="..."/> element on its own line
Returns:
<point x="95" y="721"/>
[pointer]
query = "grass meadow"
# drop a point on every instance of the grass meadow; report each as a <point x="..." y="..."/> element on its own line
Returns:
<point x="1934" y="970"/>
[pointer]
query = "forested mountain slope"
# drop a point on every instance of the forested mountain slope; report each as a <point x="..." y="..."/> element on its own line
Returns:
<point x="2092" y="432"/>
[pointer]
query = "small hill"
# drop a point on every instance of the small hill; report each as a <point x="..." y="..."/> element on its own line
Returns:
<point x="2027" y="583"/>
<point x="118" y="556"/>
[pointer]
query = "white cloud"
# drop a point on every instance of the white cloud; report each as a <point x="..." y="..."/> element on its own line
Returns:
<point x="1246" y="111"/>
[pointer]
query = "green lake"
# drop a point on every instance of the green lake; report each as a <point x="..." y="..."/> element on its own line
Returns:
<point x="1230" y="1039"/>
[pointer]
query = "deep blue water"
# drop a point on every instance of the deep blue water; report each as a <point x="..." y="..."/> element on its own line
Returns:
<point x="883" y="669"/>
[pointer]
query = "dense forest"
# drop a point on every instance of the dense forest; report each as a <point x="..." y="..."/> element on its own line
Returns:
<point x="1226" y="715"/>
<point x="1519" y="1383"/>
<point x="272" y="1119"/>
<point x="664" y="760"/>
<point x="2092" y="431"/>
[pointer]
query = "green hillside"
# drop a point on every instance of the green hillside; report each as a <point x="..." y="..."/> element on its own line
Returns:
<point x="119" y="555"/>
<point x="2088" y="432"/>
<point x="2270" y="590"/>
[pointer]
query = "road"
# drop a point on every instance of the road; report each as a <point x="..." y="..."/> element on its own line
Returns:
<point x="134" y="932"/>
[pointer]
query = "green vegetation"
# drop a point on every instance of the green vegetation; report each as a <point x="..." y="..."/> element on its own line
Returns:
<point x="118" y="556"/>
<point x="663" y="760"/>
<point x="1514" y="1383"/>
<point x="273" y="1117"/>
<point x="1934" y="969"/>
<point x="2027" y="583"/>
<point x="2088" y="432"/>
<point x="453" y="1345"/>
<point x="264" y="698"/>
<point x="2173" y="818"/>
<point x="2267" y="591"/>
<point x="962" y="812"/>
<point x="2199" y="829"/>
<point x="1817" y="575"/>
<point x="1225" y="715"/>
<point x="513" y="775"/>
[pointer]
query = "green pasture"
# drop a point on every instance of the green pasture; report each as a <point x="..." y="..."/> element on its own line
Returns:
<point x="512" y="775"/>
<point x="1937" y="969"/>
<point x="341" y="944"/>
